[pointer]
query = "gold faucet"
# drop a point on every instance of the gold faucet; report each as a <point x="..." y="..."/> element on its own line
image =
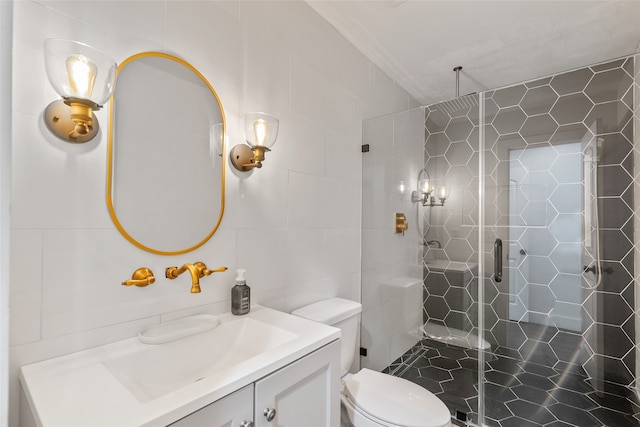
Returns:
<point x="197" y="271"/>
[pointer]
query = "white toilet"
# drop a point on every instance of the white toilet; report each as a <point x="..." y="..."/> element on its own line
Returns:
<point x="370" y="398"/>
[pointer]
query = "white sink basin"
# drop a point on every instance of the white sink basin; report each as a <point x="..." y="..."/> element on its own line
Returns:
<point x="159" y="378"/>
<point x="153" y="370"/>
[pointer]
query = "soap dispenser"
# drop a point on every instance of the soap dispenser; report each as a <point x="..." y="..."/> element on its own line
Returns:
<point x="240" y="295"/>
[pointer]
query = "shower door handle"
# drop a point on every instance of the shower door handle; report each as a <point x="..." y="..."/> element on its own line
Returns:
<point x="497" y="260"/>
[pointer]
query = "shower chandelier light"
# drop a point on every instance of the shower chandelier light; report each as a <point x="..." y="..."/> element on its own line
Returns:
<point x="427" y="193"/>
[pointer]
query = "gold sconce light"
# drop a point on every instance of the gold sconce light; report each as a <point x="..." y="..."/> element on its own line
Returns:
<point x="84" y="77"/>
<point x="427" y="193"/>
<point x="261" y="132"/>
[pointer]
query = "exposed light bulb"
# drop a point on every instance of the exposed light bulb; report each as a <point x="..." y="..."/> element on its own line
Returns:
<point x="444" y="192"/>
<point x="82" y="75"/>
<point x="425" y="186"/>
<point x="260" y="129"/>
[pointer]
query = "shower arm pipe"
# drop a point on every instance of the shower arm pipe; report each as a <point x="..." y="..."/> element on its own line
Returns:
<point x="457" y="70"/>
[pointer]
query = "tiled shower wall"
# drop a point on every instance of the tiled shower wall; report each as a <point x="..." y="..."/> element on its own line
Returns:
<point x="590" y="105"/>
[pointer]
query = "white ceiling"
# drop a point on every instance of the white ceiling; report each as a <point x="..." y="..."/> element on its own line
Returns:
<point x="499" y="43"/>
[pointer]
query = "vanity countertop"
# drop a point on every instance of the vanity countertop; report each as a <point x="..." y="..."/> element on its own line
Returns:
<point x="80" y="389"/>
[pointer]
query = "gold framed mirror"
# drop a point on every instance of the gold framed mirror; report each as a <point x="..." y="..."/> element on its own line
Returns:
<point x="166" y="151"/>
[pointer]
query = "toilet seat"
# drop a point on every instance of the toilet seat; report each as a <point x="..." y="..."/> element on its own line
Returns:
<point x="394" y="401"/>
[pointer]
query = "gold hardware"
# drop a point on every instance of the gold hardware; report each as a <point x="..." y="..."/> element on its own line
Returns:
<point x="141" y="277"/>
<point x="401" y="223"/>
<point x="197" y="271"/>
<point x="245" y="158"/>
<point x="63" y="120"/>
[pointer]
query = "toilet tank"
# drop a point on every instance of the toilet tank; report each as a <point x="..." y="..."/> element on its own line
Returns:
<point x="339" y="313"/>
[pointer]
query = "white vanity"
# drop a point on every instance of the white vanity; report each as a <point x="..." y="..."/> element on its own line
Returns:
<point x="265" y="368"/>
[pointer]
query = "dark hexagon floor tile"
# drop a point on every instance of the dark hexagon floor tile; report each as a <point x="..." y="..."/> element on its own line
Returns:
<point x="469" y="363"/>
<point x="542" y="370"/>
<point x="533" y="395"/>
<point x="536" y="381"/>
<point x="518" y="422"/>
<point x="573" y="415"/>
<point x="496" y="410"/>
<point x="434" y="373"/>
<point x="498" y="393"/>
<point x="505" y="364"/>
<point x="612" y="418"/>
<point x="572" y="382"/>
<point x="501" y="378"/>
<point x="572" y="398"/>
<point x="508" y="352"/>
<point x="462" y="384"/>
<point x="488" y="422"/>
<point x="531" y="411"/>
<point x="614" y="402"/>
<point x="453" y="353"/>
<point x="444" y="363"/>
<point x="454" y="403"/>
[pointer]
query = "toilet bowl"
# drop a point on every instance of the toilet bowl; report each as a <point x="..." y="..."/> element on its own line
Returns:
<point x="370" y="398"/>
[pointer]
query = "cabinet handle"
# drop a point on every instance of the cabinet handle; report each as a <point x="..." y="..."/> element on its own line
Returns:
<point x="247" y="424"/>
<point x="270" y="414"/>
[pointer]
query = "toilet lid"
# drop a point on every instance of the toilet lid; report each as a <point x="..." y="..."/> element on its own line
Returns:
<point x="395" y="400"/>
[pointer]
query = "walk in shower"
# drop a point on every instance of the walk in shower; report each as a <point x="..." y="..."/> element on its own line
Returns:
<point x="514" y="300"/>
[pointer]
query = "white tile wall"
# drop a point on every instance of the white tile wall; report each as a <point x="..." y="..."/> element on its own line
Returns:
<point x="294" y="224"/>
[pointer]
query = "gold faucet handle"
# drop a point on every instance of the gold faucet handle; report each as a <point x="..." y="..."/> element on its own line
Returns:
<point x="141" y="277"/>
<point x="202" y="269"/>
<point x="171" y="272"/>
<point x="401" y="223"/>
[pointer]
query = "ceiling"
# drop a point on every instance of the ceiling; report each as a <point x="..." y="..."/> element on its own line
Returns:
<point x="498" y="43"/>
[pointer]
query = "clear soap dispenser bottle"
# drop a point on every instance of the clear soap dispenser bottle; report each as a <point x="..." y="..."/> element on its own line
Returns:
<point x="240" y="295"/>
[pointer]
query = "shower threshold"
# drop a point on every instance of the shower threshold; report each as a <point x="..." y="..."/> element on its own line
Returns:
<point x="453" y="336"/>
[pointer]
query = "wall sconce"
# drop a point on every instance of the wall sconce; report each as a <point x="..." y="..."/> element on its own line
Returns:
<point x="84" y="77"/>
<point x="425" y="193"/>
<point x="260" y="132"/>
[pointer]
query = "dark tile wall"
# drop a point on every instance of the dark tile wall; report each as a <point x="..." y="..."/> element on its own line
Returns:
<point x="596" y="101"/>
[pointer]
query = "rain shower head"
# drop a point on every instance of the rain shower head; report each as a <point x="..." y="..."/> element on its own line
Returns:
<point x="459" y="103"/>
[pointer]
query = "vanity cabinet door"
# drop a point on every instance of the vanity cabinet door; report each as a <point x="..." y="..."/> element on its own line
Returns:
<point x="304" y="393"/>
<point x="234" y="410"/>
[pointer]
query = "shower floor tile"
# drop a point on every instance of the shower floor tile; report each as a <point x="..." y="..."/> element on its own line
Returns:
<point x="518" y="393"/>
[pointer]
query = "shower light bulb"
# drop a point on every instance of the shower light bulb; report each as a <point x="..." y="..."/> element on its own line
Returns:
<point x="443" y="192"/>
<point x="425" y="186"/>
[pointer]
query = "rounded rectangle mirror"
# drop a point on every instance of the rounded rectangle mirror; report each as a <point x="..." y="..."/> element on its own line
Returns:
<point x="166" y="169"/>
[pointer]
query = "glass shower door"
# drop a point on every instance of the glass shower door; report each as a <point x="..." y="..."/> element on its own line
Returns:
<point x="546" y="168"/>
<point x="420" y="287"/>
<point x="558" y="194"/>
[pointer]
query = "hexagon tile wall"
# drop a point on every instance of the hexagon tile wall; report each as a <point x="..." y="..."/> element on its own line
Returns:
<point x="537" y="137"/>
